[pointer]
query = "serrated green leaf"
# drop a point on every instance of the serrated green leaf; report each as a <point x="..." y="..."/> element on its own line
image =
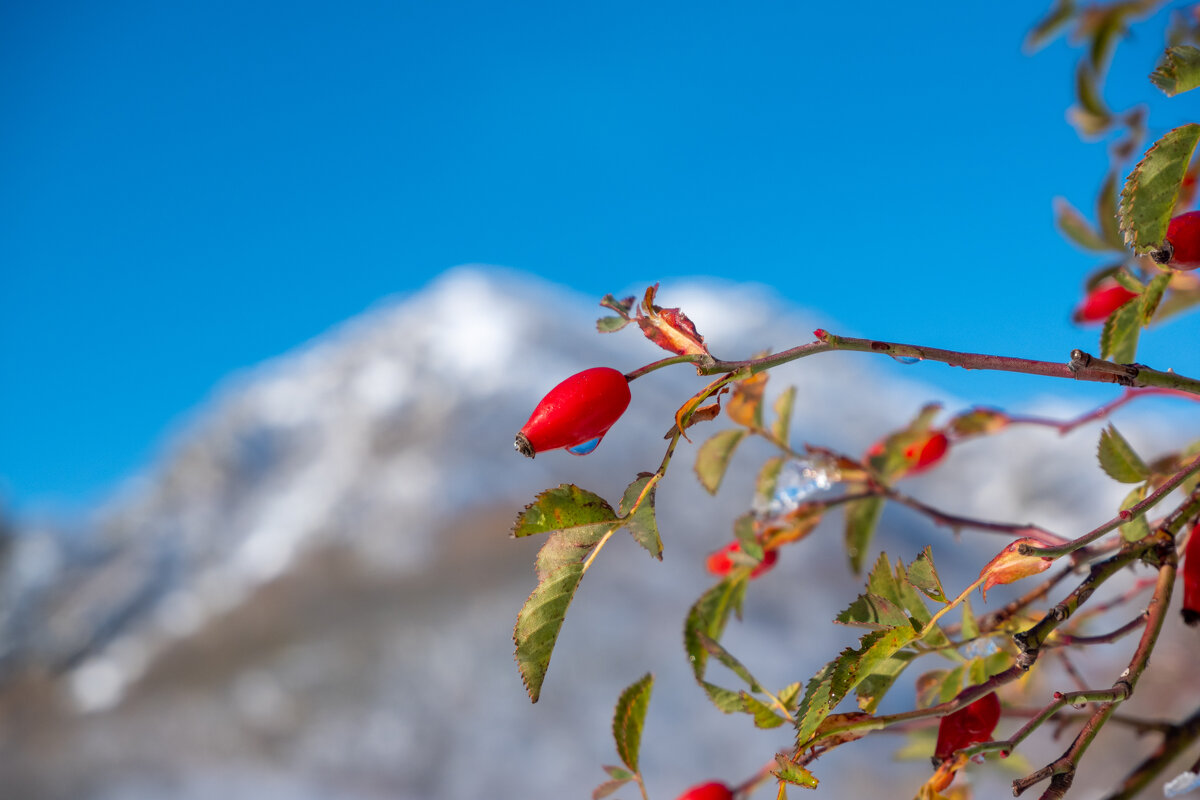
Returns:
<point x="1119" y="337"/>
<point x="708" y="616"/>
<point x="1151" y="189"/>
<point x="914" y="602"/>
<point x="1118" y="459"/>
<point x="565" y="506"/>
<point x="764" y="715"/>
<point x="1179" y="70"/>
<point x="611" y="324"/>
<point x="789" y="771"/>
<point x="882" y="581"/>
<point x="873" y="688"/>
<point x="1058" y="16"/>
<point x="726" y="700"/>
<point x="713" y="457"/>
<point x="539" y="622"/>
<point x="970" y="626"/>
<point x="923" y="575"/>
<point x="816" y="703"/>
<point x="1136" y="529"/>
<point x="861" y="518"/>
<point x="642" y="524"/>
<point x="839" y="677"/>
<point x="872" y="611"/>
<point x="1073" y="225"/>
<point x="1152" y="297"/>
<point x="782" y="426"/>
<point x="1106" y="213"/>
<point x="715" y="649"/>
<point x="629" y="717"/>
<point x="568" y="546"/>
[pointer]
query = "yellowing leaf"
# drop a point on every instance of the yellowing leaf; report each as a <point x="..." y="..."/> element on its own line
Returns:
<point x="745" y="406"/>
<point x="712" y="459"/>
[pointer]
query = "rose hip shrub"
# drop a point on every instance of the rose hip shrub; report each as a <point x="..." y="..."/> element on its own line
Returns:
<point x="957" y="659"/>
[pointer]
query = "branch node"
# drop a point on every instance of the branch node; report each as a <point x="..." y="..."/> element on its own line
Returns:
<point x="1079" y="360"/>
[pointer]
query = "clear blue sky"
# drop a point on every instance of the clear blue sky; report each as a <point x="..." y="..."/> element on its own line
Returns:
<point x="190" y="188"/>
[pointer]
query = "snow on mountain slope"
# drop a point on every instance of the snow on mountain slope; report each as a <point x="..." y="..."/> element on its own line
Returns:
<point x="368" y="479"/>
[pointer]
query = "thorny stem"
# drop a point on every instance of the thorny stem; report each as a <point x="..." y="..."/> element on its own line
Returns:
<point x="1001" y="615"/>
<point x="1080" y="367"/>
<point x="654" y="479"/>
<point x="1103" y="411"/>
<point x="1131" y="513"/>
<point x="1062" y="771"/>
<point x="1067" y="640"/>
<point x="956" y="522"/>
<point x="1030" y="641"/>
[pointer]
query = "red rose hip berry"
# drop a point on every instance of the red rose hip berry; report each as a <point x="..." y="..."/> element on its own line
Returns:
<point x="576" y="414"/>
<point x="927" y="452"/>
<point x="1181" y="247"/>
<point x="713" y="790"/>
<point x="967" y="726"/>
<point x="1102" y="301"/>
<point x="1191" y="578"/>
<point x="720" y="564"/>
